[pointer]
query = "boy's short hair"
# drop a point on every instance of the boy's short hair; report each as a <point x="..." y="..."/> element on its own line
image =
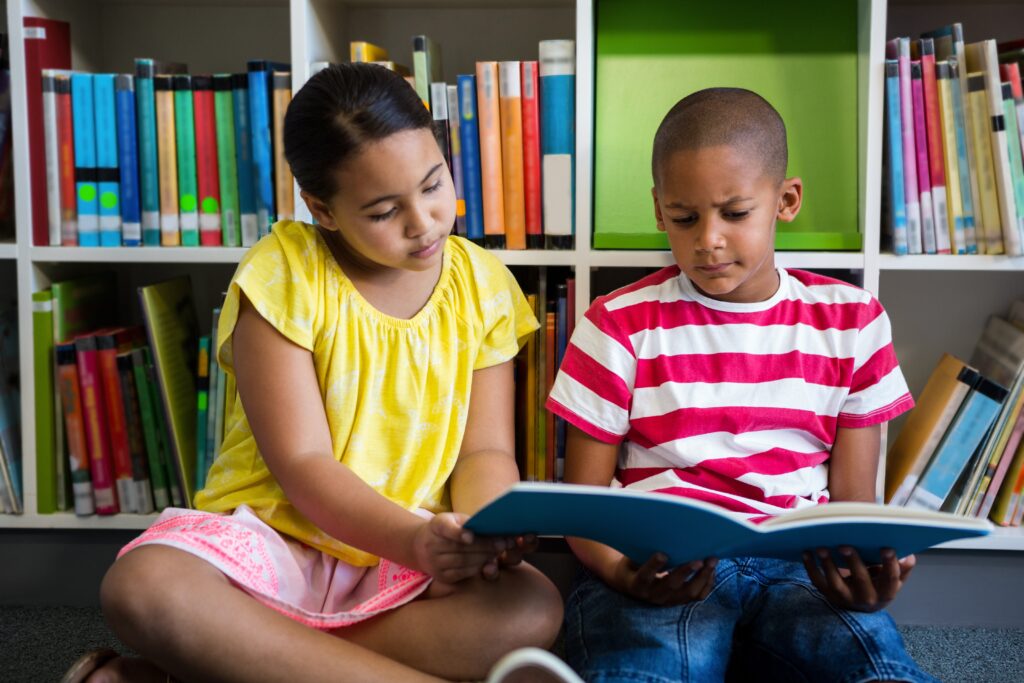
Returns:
<point x="724" y="116"/>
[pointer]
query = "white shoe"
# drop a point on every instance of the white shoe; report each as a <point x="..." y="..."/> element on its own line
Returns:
<point x="532" y="664"/>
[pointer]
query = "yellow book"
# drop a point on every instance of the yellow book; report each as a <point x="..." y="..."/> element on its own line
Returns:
<point x="362" y="51"/>
<point x="167" y="161"/>
<point x="987" y="216"/>
<point x="531" y="393"/>
<point x="955" y="212"/>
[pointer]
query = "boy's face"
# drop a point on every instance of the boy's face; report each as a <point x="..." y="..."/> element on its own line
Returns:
<point x="719" y="208"/>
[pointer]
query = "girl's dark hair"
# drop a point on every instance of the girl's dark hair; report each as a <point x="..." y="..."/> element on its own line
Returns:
<point x="338" y="110"/>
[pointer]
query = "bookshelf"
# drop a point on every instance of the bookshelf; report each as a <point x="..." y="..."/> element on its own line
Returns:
<point x="108" y="34"/>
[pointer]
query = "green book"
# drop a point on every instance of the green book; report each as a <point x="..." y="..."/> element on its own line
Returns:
<point x="202" y="407"/>
<point x="142" y="488"/>
<point x="82" y="305"/>
<point x="185" y="142"/>
<point x="150" y="430"/>
<point x="224" y="110"/>
<point x="49" y="489"/>
<point x="1013" y="143"/>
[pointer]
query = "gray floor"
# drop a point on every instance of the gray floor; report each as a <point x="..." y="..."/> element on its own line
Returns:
<point x="38" y="643"/>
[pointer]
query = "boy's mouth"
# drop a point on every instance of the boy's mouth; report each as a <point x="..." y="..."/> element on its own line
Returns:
<point x="713" y="267"/>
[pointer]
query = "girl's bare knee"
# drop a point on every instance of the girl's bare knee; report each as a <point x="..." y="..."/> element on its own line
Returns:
<point x="534" y="607"/>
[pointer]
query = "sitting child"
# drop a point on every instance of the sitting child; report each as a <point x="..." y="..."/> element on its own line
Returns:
<point x="726" y="379"/>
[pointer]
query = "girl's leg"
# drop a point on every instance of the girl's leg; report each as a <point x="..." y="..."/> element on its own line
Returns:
<point x="182" y="614"/>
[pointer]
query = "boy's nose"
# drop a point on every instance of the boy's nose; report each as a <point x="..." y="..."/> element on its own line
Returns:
<point x="709" y="236"/>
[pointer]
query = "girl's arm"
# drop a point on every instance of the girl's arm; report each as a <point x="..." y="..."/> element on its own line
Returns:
<point x="278" y="388"/>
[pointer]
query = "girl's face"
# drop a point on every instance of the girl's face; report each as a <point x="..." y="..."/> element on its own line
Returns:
<point x="395" y="204"/>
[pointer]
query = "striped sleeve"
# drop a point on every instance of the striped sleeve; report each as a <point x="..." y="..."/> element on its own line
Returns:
<point x="594" y="387"/>
<point x="878" y="391"/>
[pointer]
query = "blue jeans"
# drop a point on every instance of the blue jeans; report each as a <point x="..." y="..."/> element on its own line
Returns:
<point x="763" y="620"/>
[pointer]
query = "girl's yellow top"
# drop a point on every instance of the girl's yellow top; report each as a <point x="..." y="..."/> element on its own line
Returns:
<point x="396" y="391"/>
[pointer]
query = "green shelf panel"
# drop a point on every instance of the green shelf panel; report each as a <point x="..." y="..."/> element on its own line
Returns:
<point x="651" y="53"/>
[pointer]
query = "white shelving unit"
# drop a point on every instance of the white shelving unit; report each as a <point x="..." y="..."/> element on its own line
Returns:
<point x="221" y="36"/>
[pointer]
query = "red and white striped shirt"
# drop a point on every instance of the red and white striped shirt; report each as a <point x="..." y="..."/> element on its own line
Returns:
<point x="736" y="404"/>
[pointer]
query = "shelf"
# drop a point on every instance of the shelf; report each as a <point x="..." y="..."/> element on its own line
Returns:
<point x="786" y="259"/>
<point x="70" y="521"/>
<point x="948" y="262"/>
<point x="8" y="251"/>
<point x="136" y="254"/>
<point x="537" y="257"/>
<point x="1002" y="538"/>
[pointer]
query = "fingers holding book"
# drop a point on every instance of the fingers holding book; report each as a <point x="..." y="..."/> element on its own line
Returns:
<point x="857" y="586"/>
<point x="653" y="583"/>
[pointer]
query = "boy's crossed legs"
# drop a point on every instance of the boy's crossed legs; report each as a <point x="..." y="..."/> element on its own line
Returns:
<point x="763" y="620"/>
<point x="187" y="618"/>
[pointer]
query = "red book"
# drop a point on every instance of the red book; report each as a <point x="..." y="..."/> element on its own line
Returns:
<point x="117" y="421"/>
<point x="531" y="155"/>
<point x="47" y="46"/>
<point x="66" y="152"/>
<point x="550" y="356"/>
<point x="1010" y="73"/>
<point x="207" y="177"/>
<point x="74" y="424"/>
<point x="936" y="165"/>
<point x="95" y="414"/>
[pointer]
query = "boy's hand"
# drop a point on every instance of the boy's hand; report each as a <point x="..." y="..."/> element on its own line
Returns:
<point x="451" y="553"/>
<point x="859" y="587"/>
<point x="649" y="582"/>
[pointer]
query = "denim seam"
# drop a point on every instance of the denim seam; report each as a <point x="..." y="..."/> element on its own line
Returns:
<point x="684" y="623"/>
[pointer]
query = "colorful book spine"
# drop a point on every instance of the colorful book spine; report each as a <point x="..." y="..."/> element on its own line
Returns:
<point x="107" y="175"/>
<point x="489" y="121"/>
<point x="426" y="66"/>
<point x="455" y="140"/>
<point x="66" y="139"/>
<point x="284" y="198"/>
<point x="439" y="113"/>
<point x="532" y="192"/>
<point x="207" y="178"/>
<point x="510" y="94"/>
<point x="991" y="219"/>
<point x="142" y="488"/>
<point x="1014" y="152"/>
<point x="94" y="413"/>
<point x="202" y="411"/>
<point x="956" y="234"/>
<point x="170" y="226"/>
<point x="116" y="421"/>
<point x="79" y="468"/>
<point x="933" y="133"/>
<point x="262" y="151"/>
<point x="956" y="33"/>
<point x="51" y="141"/>
<point x="894" y="148"/>
<point x="150" y="431"/>
<point x="557" y="71"/>
<point x="901" y="47"/>
<point x="185" y="143"/>
<point x="227" y="170"/>
<point x="85" y="160"/>
<point x="363" y="51"/>
<point x="149" y="176"/>
<point x="968" y="183"/>
<point x="923" y="172"/>
<point x="248" y="218"/>
<point x="47" y="485"/>
<point x="470" y="138"/>
<point x="128" y="161"/>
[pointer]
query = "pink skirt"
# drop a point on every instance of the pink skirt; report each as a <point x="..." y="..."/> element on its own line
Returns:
<point x="298" y="581"/>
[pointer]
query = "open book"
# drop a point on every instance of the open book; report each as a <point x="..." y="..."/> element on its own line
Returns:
<point x="639" y="524"/>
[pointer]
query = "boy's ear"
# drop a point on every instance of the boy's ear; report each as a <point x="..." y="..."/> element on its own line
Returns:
<point x="321" y="212"/>
<point x="657" y="210"/>
<point x="791" y="196"/>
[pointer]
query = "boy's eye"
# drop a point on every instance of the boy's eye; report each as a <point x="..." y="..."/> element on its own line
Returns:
<point x="433" y="188"/>
<point x="685" y="220"/>
<point x="736" y="215"/>
<point x="383" y="216"/>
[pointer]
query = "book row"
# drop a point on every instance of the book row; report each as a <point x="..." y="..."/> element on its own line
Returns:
<point x="961" y="450"/>
<point x="954" y="119"/>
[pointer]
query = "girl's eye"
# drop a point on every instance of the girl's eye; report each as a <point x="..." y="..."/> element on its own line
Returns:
<point x="383" y="216"/>
<point x="433" y="188"/>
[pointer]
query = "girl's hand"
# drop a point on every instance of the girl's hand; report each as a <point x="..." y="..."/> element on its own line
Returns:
<point x="450" y="553"/>
<point x="651" y="583"/>
<point x="859" y="587"/>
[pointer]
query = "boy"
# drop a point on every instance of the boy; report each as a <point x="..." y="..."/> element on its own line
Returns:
<point x="761" y="390"/>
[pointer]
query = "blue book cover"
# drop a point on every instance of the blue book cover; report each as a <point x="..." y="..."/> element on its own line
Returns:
<point x="243" y="159"/>
<point x="557" y="69"/>
<point x="470" y="139"/>
<point x="972" y="422"/>
<point x="86" y="191"/>
<point x="262" y="152"/>
<point x="107" y="175"/>
<point x="149" y="177"/>
<point x="689" y="529"/>
<point x="894" y="148"/>
<point x="128" y="158"/>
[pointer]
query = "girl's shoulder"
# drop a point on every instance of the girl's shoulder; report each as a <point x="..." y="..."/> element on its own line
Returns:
<point x="472" y="264"/>
<point x="289" y="243"/>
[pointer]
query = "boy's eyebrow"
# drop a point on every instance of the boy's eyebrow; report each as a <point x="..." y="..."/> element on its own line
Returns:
<point x="388" y="197"/>
<point x="717" y="205"/>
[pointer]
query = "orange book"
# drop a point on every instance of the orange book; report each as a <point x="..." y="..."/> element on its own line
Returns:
<point x="94" y="413"/>
<point x="117" y="421"/>
<point x="167" y="160"/>
<point x="284" y="198"/>
<point x="489" y="118"/>
<point x="511" y="114"/>
<point x="548" y="472"/>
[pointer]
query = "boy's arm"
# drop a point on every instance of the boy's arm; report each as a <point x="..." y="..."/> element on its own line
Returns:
<point x="853" y="464"/>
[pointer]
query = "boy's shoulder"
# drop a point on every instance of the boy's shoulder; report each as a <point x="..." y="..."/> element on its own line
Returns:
<point x="821" y="289"/>
<point x="661" y="285"/>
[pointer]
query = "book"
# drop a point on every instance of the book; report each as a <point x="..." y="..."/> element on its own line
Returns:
<point x="66" y="140"/>
<point x="94" y="414"/>
<point x="491" y="180"/>
<point x="532" y="195"/>
<point x="363" y="51"/>
<point x="51" y="140"/>
<point x="439" y="115"/>
<point x="639" y="524"/>
<point x="167" y="154"/>
<point x="426" y="66"/>
<point x="956" y="237"/>
<point x="470" y="138"/>
<point x="260" y="92"/>
<point x="1013" y="142"/>
<point x="151" y="430"/>
<point x="989" y="217"/>
<point x="283" y="182"/>
<point x="86" y="190"/>
<point x="142" y="488"/>
<point x="10" y="405"/>
<point x="185" y="145"/>
<point x="49" y="489"/>
<point x="999" y="353"/>
<point x="128" y="161"/>
<point x="227" y="168"/>
<point x="202" y="408"/>
<point x="933" y="134"/>
<point x="511" y="124"/>
<point x="455" y="144"/>
<point x="899" y="49"/>
<point x="73" y="419"/>
<point x="47" y="45"/>
<point x="924" y="183"/>
<point x="247" y="217"/>
<point x="207" y="174"/>
<point x="107" y="342"/>
<point x="108" y="178"/>
<point x="557" y="75"/>
<point x="173" y="332"/>
<point x="897" y="213"/>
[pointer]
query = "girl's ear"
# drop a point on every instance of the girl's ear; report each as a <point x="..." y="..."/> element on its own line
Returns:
<point x="320" y="211"/>
<point x="791" y="196"/>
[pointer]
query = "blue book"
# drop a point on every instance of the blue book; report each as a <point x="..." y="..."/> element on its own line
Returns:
<point x="128" y="158"/>
<point x="107" y="176"/>
<point x="557" y="68"/>
<point x="262" y="152"/>
<point x="894" y="148"/>
<point x="470" y="139"/>
<point x="561" y="342"/>
<point x="972" y="422"/>
<point x="243" y="159"/>
<point x="688" y="529"/>
<point x="86" y="192"/>
<point x="149" y="176"/>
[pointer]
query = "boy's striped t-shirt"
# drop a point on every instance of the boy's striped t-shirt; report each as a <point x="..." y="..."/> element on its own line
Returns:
<point x="736" y="404"/>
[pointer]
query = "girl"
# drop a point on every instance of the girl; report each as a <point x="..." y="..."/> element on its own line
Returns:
<point x="371" y="353"/>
